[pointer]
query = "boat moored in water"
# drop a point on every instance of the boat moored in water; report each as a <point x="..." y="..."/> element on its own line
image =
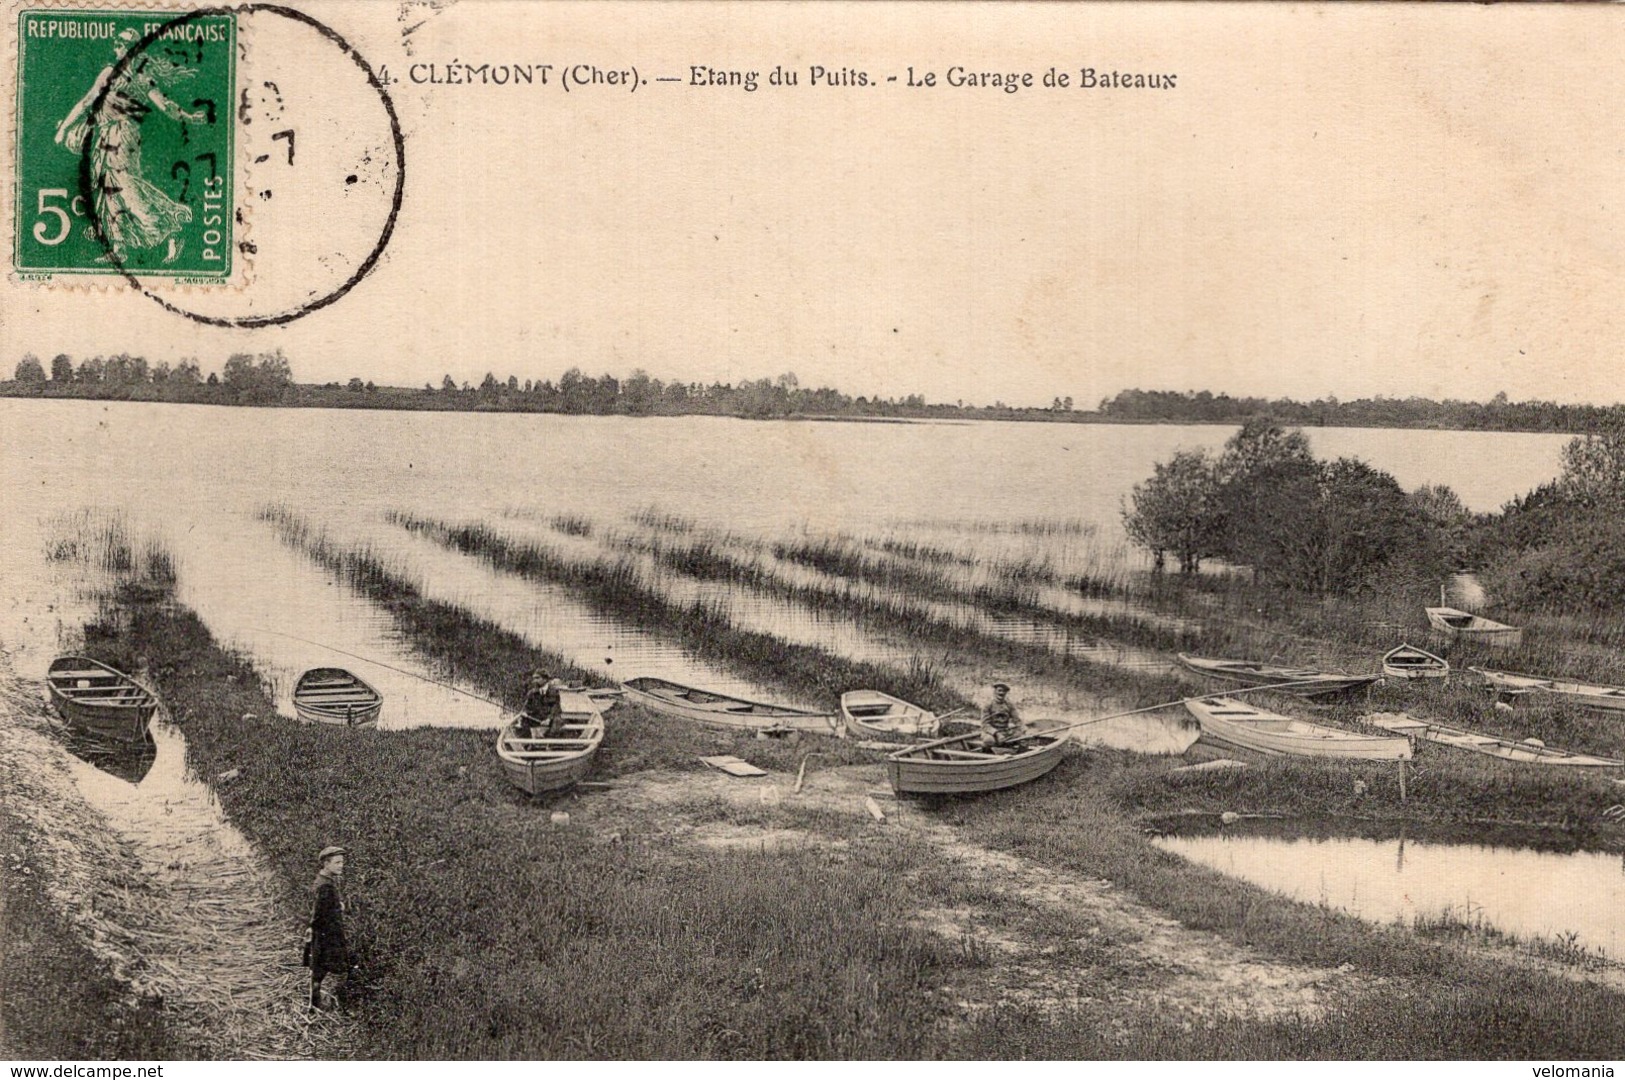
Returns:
<point x="100" y="699"/>
<point x="334" y="696"/>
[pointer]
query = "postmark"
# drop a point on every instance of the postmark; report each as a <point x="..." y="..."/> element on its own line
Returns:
<point x="312" y="191"/>
<point x="124" y="144"/>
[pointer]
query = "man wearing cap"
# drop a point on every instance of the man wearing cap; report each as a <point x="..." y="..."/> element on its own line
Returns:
<point x="329" y="952"/>
<point x="1001" y="723"/>
<point x="542" y="706"/>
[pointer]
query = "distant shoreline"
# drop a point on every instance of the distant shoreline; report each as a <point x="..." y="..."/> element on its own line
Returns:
<point x="1508" y="418"/>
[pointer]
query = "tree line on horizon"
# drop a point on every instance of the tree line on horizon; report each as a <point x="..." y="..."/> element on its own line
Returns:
<point x="267" y="379"/>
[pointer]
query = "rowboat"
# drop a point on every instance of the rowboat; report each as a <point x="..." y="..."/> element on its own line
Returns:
<point x="872" y="713"/>
<point x="1409" y="662"/>
<point x="1466" y="626"/>
<point x="1236" y="723"/>
<point x="542" y="764"/>
<point x="1307" y="682"/>
<point x="705" y="707"/>
<point x="1528" y="751"/>
<point x="949" y="766"/>
<point x="330" y="695"/>
<point x="100" y="699"/>
<point x="1611" y="698"/>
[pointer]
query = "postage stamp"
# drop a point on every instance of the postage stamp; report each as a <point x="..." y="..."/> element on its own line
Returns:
<point x="124" y="144"/>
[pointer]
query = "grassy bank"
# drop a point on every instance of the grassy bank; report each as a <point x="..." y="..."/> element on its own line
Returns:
<point x="484" y="931"/>
<point x="57" y="1000"/>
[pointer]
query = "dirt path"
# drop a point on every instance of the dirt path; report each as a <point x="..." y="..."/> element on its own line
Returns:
<point x="1115" y="949"/>
<point x="161" y="887"/>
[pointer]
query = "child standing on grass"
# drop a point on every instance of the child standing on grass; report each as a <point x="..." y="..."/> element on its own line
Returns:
<point x="329" y="952"/>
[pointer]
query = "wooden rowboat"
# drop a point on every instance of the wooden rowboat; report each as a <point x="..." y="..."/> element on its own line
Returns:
<point x="950" y="767"/>
<point x="1465" y="626"/>
<point x="1529" y="752"/>
<point x="330" y="695"/>
<point x="872" y="713"/>
<point x="1308" y="682"/>
<point x="1409" y="662"/>
<point x="542" y="764"/>
<point x="720" y="710"/>
<point x="1609" y="698"/>
<point x="100" y="699"/>
<point x="1238" y="724"/>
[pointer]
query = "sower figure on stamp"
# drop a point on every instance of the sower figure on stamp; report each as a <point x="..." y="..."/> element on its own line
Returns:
<point x="1001" y="724"/>
<point x="329" y="953"/>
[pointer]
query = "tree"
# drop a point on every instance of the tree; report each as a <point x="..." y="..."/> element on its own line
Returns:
<point x="1268" y="482"/>
<point x="62" y="368"/>
<point x="1594" y="468"/>
<point x="30" y="370"/>
<point x="1177" y="510"/>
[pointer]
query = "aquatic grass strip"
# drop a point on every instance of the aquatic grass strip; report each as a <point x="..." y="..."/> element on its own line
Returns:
<point x="617" y="590"/>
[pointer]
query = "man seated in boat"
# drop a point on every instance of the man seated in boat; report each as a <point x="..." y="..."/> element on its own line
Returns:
<point x="1001" y="724"/>
<point x="542" y="715"/>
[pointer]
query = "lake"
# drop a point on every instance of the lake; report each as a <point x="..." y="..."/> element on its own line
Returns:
<point x="194" y="476"/>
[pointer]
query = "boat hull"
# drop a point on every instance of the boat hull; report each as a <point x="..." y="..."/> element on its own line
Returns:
<point x="1310" y="683"/>
<point x="99" y="699"/>
<point x="1525" y="753"/>
<point x="720" y="710"/>
<point x="1467" y="627"/>
<point x="915" y="771"/>
<point x="1603" y="698"/>
<point x="538" y="766"/>
<point x="1409" y="662"/>
<point x="873" y="714"/>
<point x="337" y="697"/>
<point x="1232" y="723"/>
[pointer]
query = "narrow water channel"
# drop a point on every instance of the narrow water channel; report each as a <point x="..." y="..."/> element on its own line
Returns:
<point x="1572" y="898"/>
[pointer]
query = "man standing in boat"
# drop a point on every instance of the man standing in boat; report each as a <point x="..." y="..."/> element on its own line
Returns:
<point x="1001" y="724"/>
<point x="543" y="707"/>
<point x="328" y="953"/>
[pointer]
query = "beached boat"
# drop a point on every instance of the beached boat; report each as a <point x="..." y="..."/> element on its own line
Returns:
<point x="536" y="765"/>
<point x="702" y="706"/>
<point x="1467" y="627"/>
<point x="874" y="714"/>
<point x="1235" y="723"/>
<point x="100" y="699"/>
<point x="1306" y="682"/>
<point x="1592" y="696"/>
<point x="948" y="766"/>
<point x="330" y="695"/>
<point x="1528" y="751"/>
<point x="1409" y="662"/>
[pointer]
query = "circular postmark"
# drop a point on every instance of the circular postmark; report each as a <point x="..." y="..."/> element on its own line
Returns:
<point x="313" y="181"/>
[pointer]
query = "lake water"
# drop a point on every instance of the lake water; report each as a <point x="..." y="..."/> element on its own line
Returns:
<point x="194" y="477"/>
<point x="1573" y="898"/>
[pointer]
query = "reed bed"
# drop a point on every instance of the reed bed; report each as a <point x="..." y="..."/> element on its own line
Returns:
<point x="168" y="899"/>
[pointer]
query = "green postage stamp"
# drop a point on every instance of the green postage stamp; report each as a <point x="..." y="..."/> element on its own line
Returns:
<point x="124" y="143"/>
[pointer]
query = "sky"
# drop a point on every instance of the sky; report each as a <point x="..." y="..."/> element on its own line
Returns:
<point x="1351" y="200"/>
